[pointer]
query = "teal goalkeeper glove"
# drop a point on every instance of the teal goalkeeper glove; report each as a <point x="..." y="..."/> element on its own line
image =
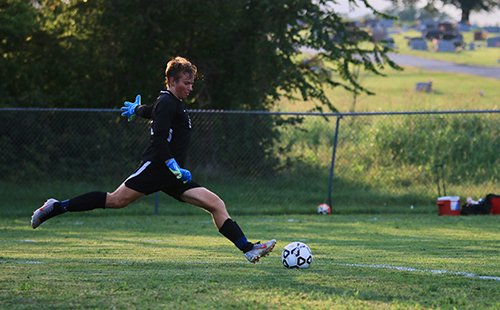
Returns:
<point x="129" y="108"/>
<point x="181" y="174"/>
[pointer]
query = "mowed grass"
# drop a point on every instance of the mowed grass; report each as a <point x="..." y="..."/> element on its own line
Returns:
<point x="396" y="92"/>
<point x="114" y="261"/>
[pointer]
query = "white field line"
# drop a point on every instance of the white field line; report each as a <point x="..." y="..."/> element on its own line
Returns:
<point x="458" y="273"/>
<point x="410" y="269"/>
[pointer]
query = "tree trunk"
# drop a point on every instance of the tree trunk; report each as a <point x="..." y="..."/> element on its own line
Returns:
<point x="465" y="16"/>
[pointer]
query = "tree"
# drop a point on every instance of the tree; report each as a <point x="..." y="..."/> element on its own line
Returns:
<point x="102" y="52"/>
<point x="21" y="32"/>
<point x="467" y="6"/>
<point x="408" y="14"/>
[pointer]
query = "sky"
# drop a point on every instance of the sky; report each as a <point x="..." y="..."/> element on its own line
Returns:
<point x="481" y="19"/>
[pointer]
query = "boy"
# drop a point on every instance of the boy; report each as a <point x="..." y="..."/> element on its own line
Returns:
<point x="160" y="167"/>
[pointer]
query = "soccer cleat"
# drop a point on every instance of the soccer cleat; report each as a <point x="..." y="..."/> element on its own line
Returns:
<point x="44" y="213"/>
<point x="260" y="250"/>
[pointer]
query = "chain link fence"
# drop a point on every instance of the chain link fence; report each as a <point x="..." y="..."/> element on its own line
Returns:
<point x="262" y="162"/>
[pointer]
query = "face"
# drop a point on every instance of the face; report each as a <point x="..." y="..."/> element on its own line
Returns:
<point x="182" y="87"/>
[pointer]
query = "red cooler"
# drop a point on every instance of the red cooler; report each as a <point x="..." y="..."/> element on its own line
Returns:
<point x="449" y="205"/>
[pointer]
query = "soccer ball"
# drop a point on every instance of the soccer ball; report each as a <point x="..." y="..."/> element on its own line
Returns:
<point x="296" y="255"/>
<point x="324" y="209"/>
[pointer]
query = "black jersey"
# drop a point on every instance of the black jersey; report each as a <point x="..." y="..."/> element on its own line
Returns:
<point x="170" y="129"/>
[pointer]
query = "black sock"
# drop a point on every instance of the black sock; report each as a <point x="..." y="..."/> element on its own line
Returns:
<point x="85" y="202"/>
<point x="233" y="232"/>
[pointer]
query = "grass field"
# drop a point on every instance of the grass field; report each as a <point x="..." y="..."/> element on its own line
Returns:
<point x="395" y="92"/>
<point x="105" y="260"/>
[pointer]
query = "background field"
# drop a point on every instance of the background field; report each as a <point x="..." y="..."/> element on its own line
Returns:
<point x="395" y="92"/>
<point x="480" y="56"/>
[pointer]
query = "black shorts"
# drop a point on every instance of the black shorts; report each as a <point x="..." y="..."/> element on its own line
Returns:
<point x="153" y="177"/>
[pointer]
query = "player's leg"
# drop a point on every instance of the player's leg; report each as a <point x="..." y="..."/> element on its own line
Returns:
<point x="52" y="207"/>
<point x="203" y="198"/>
<point x="120" y="198"/>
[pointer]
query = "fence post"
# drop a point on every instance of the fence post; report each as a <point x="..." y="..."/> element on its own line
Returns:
<point x="156" y="203"/>
<point x="333" y="161"/>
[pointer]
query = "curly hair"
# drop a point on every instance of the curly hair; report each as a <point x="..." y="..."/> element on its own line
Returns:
<point x="180" y="65"/>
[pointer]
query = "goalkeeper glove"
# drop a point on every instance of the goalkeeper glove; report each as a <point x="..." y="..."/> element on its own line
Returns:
<point x="129" y="109"/>
<point x="181" y="174"/>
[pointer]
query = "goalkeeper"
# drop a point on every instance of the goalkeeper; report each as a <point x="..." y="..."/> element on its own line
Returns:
<point x="160" y="167"/>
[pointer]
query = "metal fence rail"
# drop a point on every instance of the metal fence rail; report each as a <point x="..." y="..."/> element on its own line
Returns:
<point x="259" y="159"/>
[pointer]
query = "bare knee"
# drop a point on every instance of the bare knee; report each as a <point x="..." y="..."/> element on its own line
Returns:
<point x="219" y="204"/>
<point x="115" y="201"/>
<point x="121" y="198"/>
<point x="203" y="198"/>
<point x="216" y="204"/>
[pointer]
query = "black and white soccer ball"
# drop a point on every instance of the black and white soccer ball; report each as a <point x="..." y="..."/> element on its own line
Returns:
<point x="296" y="255"/>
